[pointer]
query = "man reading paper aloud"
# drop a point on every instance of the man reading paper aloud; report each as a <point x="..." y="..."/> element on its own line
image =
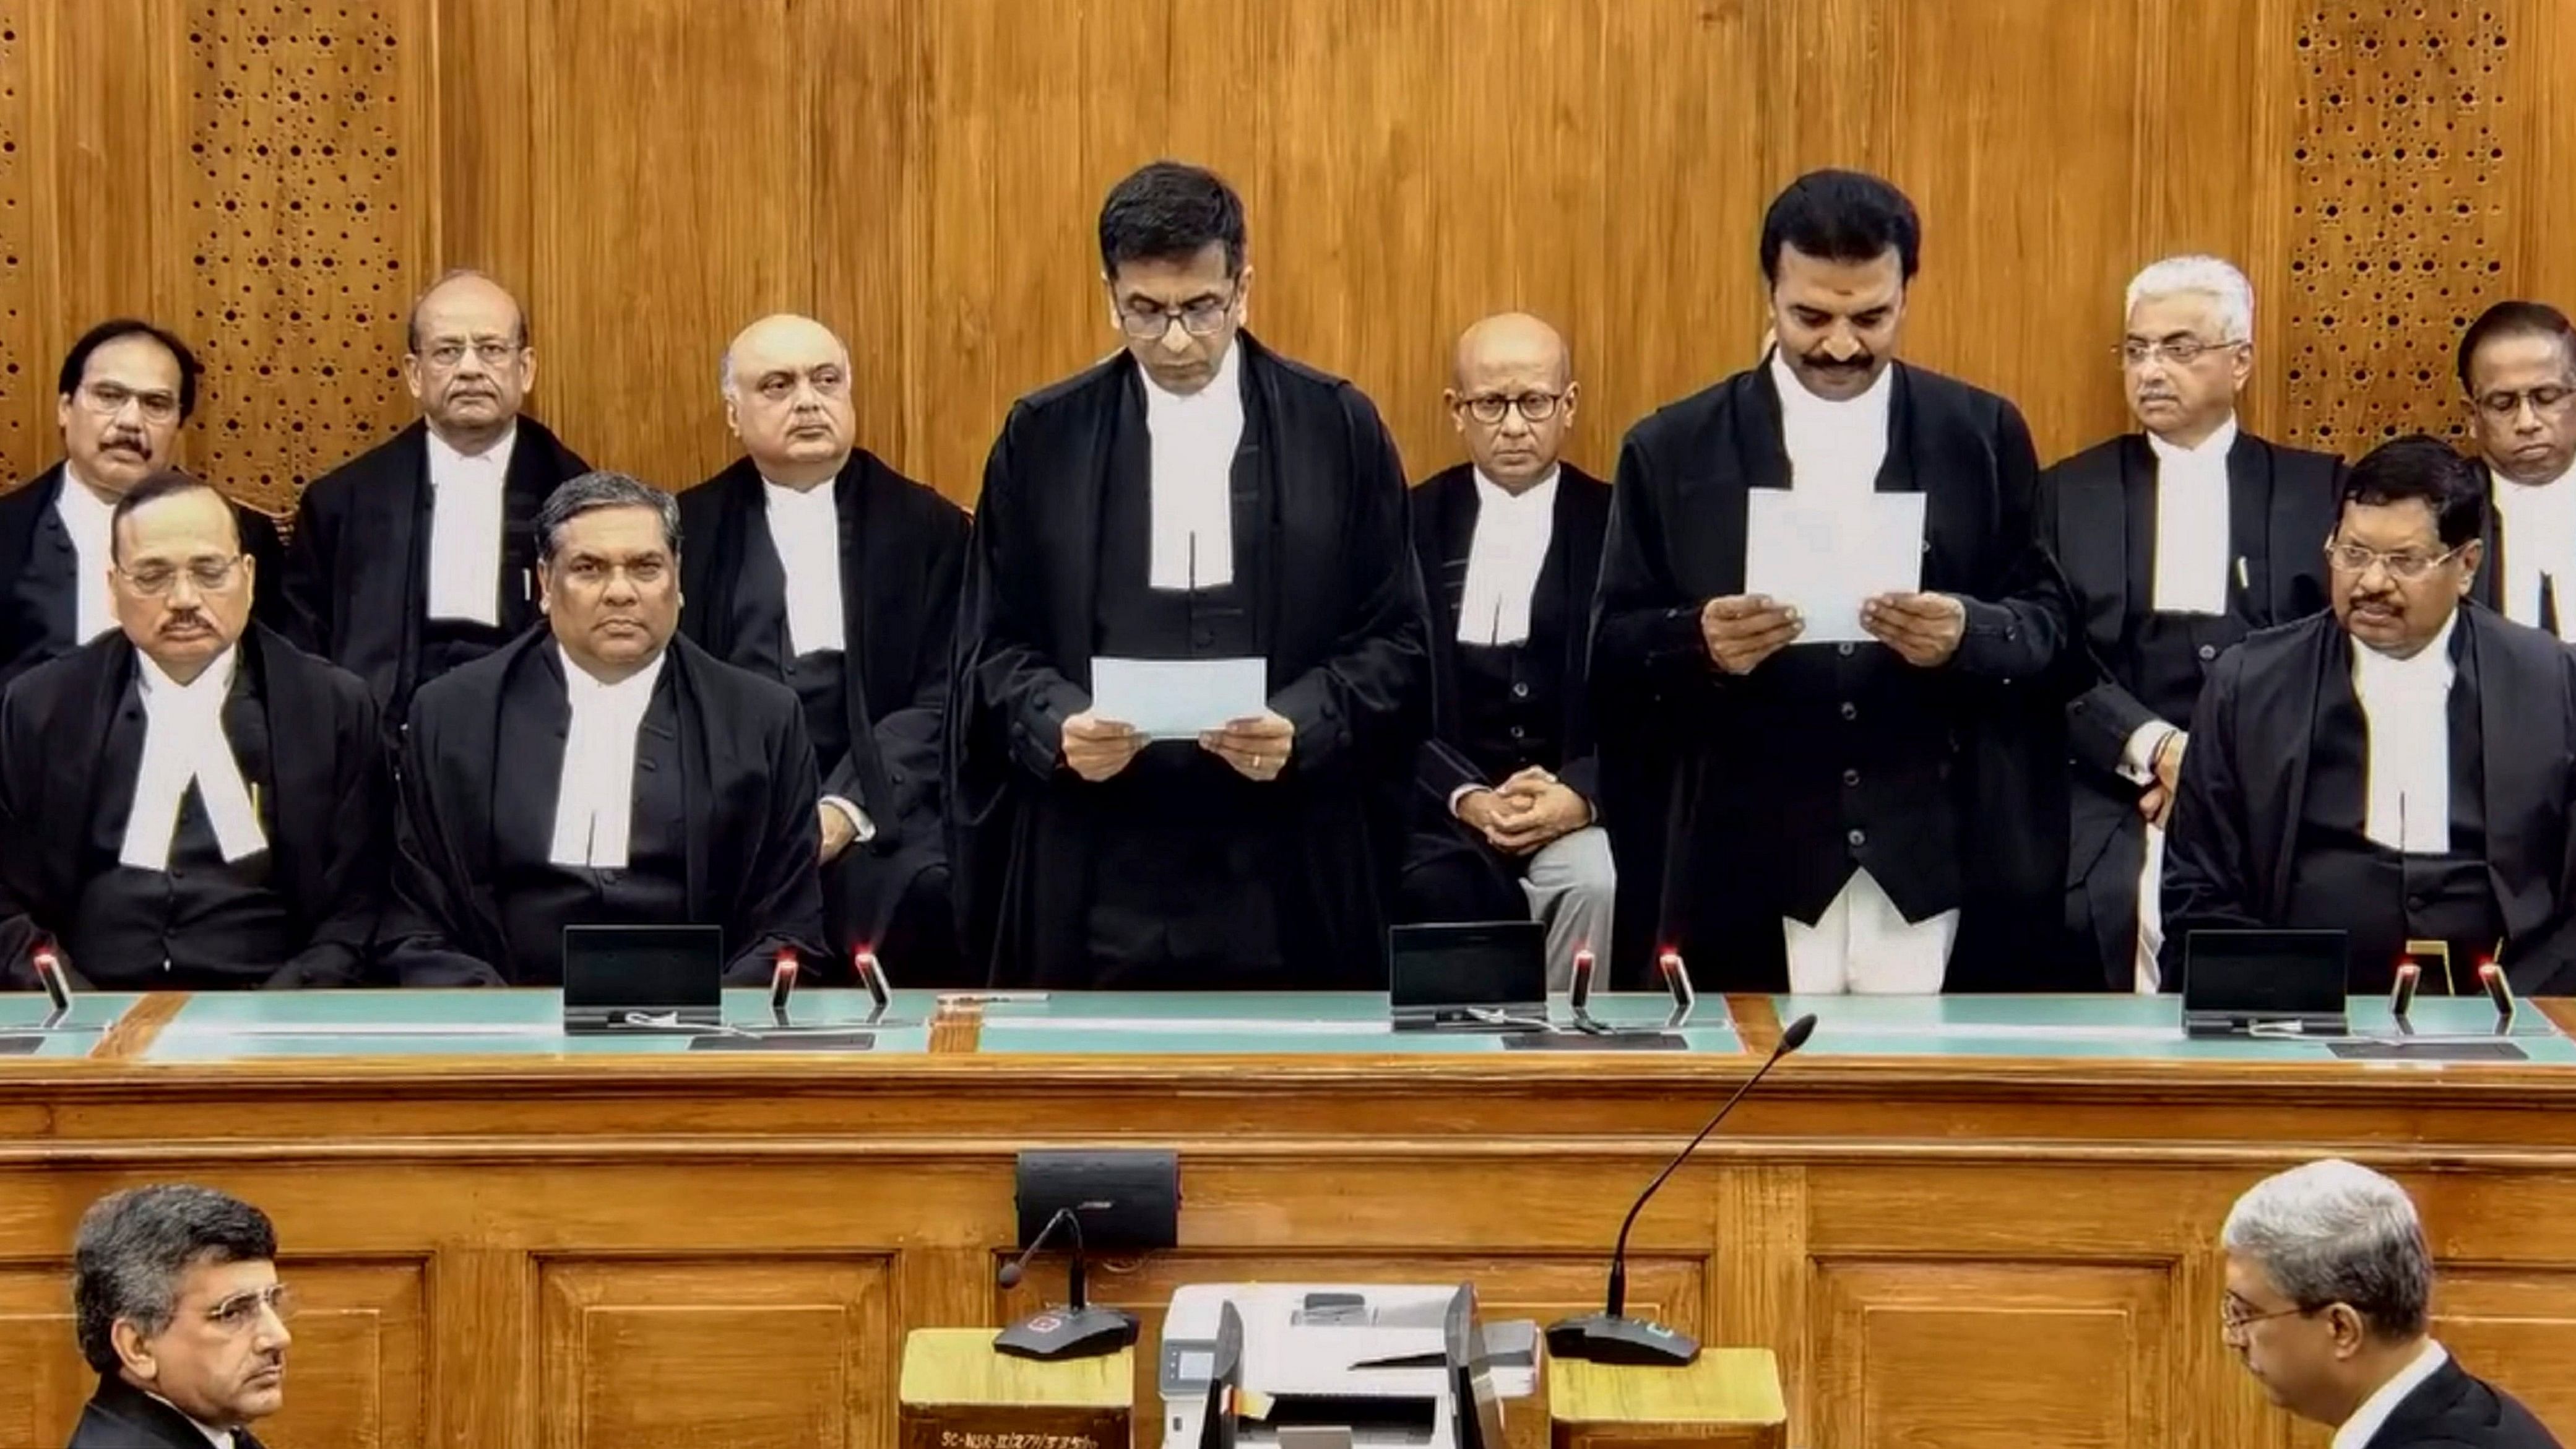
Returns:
<point x="1196" y="498"/>
<point x="1882" y="813"/>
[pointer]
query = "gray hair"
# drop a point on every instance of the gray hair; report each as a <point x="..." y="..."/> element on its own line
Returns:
<point x="2211" y="277"/>
<point x="603" y="489"/>
<point x="2337" y="1232"/>
<point x="134" y="1245"/>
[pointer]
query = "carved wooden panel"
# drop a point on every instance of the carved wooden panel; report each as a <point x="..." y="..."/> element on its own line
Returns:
<point x="1933" y="1354"/>
<point x="2516" y="1326"/>
<point x="26" y="384"/>
<point x="750" y="1354"/>
<point x="2404" y="179"/>
<point x="305" y="218"/>
<point x="353" y="1373"/>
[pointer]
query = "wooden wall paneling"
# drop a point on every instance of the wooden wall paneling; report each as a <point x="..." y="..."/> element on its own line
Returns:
<point x="26" y="380"/>
<point x="671" y="204"/>
<point x="487" y="147"/>
<point x="750" y="1354"/>
<point x="2522" y="1316"/>
<point x="483" y="1348"/>
<point x="308" y="223"/>
<point x="48" y="1381"/>
<point x="1759" y="1276"/>
<point x="1939" y="1353"/>
<point x="2406" y="196"/>
<point x="2544" y="39"/>
<point x="870" y="186"/>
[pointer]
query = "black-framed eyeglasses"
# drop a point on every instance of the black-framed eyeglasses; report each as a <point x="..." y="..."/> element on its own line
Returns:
<point x="2404" y="565"/>
<point x="1147" y="321"/>
<point x="238" y="1313"/>
<point x="1538" y="407"/>
<point x="2180" y="351"/>
<point x="207" y="574"/>
<point x="2542" y="399"/>
<point x="107" y="399"/>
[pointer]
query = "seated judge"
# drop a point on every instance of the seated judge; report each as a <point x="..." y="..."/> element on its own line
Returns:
<point x="177" y="1306"/>
<point x="1196" y="497"/>
<point x="2176" y="541"/>
<point x="125" y="388"/>
<point x="2401" y="768"/>
<point x="812" y="562"/>
<point x="190" y="803"/>
<point x="2329" y="1287"/>
<point x="418" y="555"/>
<point x="1510" y="545"/>
<point x="1884" y="812"/>
<point x="2517" y="364"/>
<point x="600" y="771"/>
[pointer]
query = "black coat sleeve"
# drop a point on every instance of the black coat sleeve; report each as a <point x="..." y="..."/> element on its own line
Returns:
<point x="2019" y="633"/>
<point x="1647" y="650"/>
<point x="428" y="916"/>
<point x="2209" y="881"/>
<point x="353" y="881"/>
<point x="23" y="750"/>
<point x="1369" y="698"/>
<point x="2545" y="964"/>
<point x="304" y="585"/>
<point x="1014" y="678"/>
<point x="780" y="901"/>
<point x="268" y="560"/>
<point x="908" y="735"/>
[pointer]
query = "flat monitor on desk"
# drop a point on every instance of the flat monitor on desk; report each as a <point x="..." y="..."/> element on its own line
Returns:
<point x="642" y="978"/>
<point x="2258" y="983"/>
<point x="1472" y="976"/>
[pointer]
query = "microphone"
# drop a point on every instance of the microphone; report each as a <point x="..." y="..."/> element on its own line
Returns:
<point x="1611" y="1336"/>
<point x="782" y="983"/>
<point x="1076" y="1330"/>
<point x="49" y="971"/>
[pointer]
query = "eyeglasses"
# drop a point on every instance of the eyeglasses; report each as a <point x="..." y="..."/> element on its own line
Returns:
<point x="2542" y="400"/>
<point x="2353" y="558"/>
<point x="489" y="352"/>
<point x="107" y="399"/>
<point x="240" y="1312"/>
<point x="1146" y="322"/>
<point x="2180" y="351"/>
<point x="1538" y="407"/>
<point x="2233" y="1324"/>
<point x="208" y="574"/>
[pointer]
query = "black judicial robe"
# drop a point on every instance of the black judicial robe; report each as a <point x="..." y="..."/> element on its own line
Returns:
<point x="325" y="802"/>
<point x="1553" y="729"/>
<point x="39" y="610"/>
<point x="1328" y="591"/>
<point x="1947" y="784"/>
<point x="483" y="761"/>
<point x="2232" y="849"/>
<point x="357" y="574"/>
<point x="2454" y="1409"/>
<point x="121" y="1416"/>
<point x="2488" y="587"/>
<point x="2133" y="665"/>
<point x="903" y="558"/>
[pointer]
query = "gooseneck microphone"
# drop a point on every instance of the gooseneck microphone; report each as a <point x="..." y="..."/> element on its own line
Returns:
<point x="1076" y="1330"/>
<point x="1611" y="1336"/>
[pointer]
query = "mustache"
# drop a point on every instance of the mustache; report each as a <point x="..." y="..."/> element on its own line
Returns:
<point x="1821" y="363"/>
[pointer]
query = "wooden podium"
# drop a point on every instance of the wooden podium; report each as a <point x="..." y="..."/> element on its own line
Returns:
<point x="957" y="1393"/>
<point x="1730" y="1399"/>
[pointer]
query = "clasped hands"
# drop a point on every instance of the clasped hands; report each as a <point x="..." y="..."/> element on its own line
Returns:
<point x="1525" y="812"/>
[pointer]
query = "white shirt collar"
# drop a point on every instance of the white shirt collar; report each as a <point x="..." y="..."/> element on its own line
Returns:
<point x="2366" y="1421"/>
<point x="589" y="690"/>
<point x="220" y="1438"/>
<point x="2419" y="668"/>
<point x="446" y="461"/>
<point x="2212" y="449"/>
<point x="1795" y="398"/>
<point x="1493" y="498"/>
<point x="1223" y="394"/>
<point x="214" y="682"/>
<point x="76" y="493"/>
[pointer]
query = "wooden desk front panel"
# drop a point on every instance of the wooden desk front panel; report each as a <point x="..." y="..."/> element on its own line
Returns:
<point x="639" y="1282"/>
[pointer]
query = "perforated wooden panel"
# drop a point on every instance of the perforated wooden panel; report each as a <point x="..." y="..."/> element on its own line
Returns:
<point x="299" y="193"/>
<point x="22" y="443"/>
<point x="2401" y="224"/>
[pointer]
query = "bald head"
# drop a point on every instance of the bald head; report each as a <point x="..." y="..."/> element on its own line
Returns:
<point x="786" y="386"/>
<point x="470" y="364"/>
<point x="1508" y="368"/>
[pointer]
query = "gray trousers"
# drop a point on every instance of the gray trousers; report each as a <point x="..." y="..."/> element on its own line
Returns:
<point x="1570" y="884"/>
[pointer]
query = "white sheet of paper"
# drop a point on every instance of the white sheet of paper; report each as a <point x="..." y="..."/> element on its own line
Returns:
<point x="1178" y="699"/>
<point x="1824" y="558"/>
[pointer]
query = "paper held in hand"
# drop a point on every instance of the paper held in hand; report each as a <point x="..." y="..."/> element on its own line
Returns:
<point x="1179" y="699"/>
<point x="1824" y="558"/>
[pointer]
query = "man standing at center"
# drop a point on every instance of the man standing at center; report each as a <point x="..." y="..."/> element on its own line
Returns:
<point x="1883" y="816"/>
<point x="1195" y="497"/>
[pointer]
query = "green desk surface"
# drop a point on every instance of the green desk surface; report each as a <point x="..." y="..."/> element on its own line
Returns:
<point x="2136" y="1028"/>
<point x="245" y="1025"/>
<point x="74" y="1035"/>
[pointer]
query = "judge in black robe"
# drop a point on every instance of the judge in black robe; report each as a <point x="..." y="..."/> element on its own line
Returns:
<point x="121" y="1416"/>
<point x="1264" y="856"/>
<point x="873" y="706"/>
<point x="301" y="913"/>
<point x="1943" y="780"/>
<point x="357" y="573"/>
<point x="2517" y="365"/>
<point x="2271" y="825"/>
<point x="721" y="821"/>
<point x="2452" y="1408"/>
<point x="2141" y="660"/>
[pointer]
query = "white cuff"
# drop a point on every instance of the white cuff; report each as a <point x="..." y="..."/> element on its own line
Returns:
<point x="2138" y="756"/>
<point x="1459" y="795"/>
<point x="863" y="829"/>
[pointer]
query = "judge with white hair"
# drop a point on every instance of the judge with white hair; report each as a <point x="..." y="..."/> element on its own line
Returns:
<point x="2328" y="1292"/>
<point x="2176" y="540"/>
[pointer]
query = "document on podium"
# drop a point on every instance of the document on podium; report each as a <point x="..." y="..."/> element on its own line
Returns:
<point x="1179" y="699"/>
<point x="1823" y="558"/>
